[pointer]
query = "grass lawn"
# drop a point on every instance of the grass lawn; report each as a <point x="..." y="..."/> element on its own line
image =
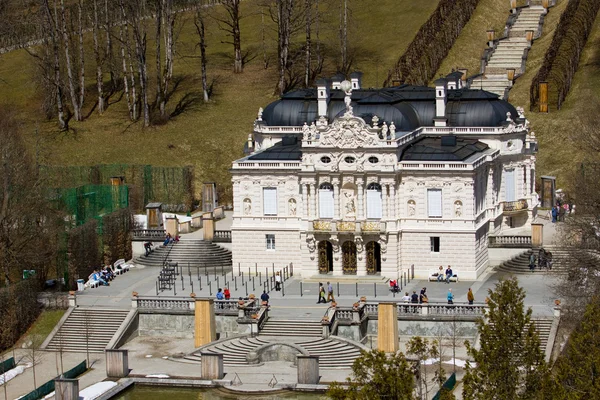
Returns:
<point x="207" y="136"/>
<point x="469" y="46"/>
<point x="42" y="327"/>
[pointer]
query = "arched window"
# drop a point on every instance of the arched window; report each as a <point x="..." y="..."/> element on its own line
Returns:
<point x="326" y="200"/>
<point x="374" y="201"/>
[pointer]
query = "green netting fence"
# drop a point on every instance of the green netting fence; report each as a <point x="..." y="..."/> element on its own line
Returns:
<point x="7" y="365"/>
<point x="172" y="186"/>
<point x="48" y="387"/>
<point x="448" y="385"/>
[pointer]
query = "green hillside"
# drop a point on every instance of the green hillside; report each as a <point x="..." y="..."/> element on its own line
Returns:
<point x="208" y="136"/>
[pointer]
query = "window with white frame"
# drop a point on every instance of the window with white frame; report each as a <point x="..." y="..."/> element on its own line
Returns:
<point x="270" y="239"/>
<point x="434" y="203"/>
<point x="374" y="206"/>
<point x="509" y="185"/>
<point x="326" y="200"/>
<point x="270" y="201"/>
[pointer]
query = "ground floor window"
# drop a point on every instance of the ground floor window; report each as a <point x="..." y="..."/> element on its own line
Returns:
<point x="270" y="242"/>
<point x="435" y="244"/>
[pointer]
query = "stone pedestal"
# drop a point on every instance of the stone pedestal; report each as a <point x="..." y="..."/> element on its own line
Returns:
<point x="172" y="226"/>
<point x="204" y="322"/>
<point x="212" y="366"/>
<point x="117" y="363"/>
<point x="308" y="370"/>
<point x="387" y="332"/>
<point x="208" y="226"/>
<point x="537" y="235"/>
<point x="66" y="389"/>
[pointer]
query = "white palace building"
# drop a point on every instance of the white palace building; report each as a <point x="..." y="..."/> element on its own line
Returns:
<point x="342" y="180"/>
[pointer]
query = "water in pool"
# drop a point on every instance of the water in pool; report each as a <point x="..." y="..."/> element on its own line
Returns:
<point x="158" y="393"/>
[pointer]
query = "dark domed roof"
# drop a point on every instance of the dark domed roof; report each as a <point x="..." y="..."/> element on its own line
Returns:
<point x="410" y="107"/>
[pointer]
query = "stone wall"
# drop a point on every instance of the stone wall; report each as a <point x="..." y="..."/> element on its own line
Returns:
<point x="249" y="247"/>
<point x="182" y="325"/>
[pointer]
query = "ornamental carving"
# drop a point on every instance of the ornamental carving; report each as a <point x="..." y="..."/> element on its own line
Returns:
<point x="346" y="226"/>
<point x="321" y="225"/>
<point x="348" y="132"/>
<point x="370" y="227"/>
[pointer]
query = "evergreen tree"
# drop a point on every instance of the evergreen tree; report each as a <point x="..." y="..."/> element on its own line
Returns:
<point x="509" y="363"/>
<point x="576" y="374"/>
<point x="377" y="375"/>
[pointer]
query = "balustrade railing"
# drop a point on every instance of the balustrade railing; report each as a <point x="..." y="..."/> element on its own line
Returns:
<point x="158" y="304"/>
<point x="222" y="237"/>
<point x="514" y="206"/>
<point x="149" y="234"/>
<point x="509" y="241"/>
<point x="409" y="310"/>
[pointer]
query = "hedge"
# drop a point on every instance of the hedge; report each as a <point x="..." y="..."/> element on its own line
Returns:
<point x="424" y="55"/>
<point x="562" y="57"/>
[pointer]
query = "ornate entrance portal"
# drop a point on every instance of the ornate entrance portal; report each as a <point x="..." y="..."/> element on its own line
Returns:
<point x="325" y="257"/>
<point x="349" y="258"/>
<point x="373" y="258"/>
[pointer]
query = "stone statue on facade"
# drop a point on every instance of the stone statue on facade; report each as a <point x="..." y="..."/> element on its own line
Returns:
<point x="412" y="208"/>
<point x="306" y="134"/>
<point x="292" y="207"/>
<point x="457" y="208"/>
<point x="247" y="206"/>
<point x="260" y="113"/>
<point x="311" y="244"/>
<point x="384" y="131"/>
<point x="375" y="121"/>
<point x="392" y="130"/>
<point x="349" y="204"/>
<point x="359" y="244"/>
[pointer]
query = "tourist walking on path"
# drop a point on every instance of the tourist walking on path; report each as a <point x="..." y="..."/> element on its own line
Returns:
<point x="321" y="294"/>
<point x="265" y="298"/>
<point x="554" y="214"/>
<point x="470" y="296"/>
<point x="329" y="292"/>
<point x="277" y="282"/>
<point x="448" y="274"/>
<point x="450" y="297"/>
<point x="532" y="262"/>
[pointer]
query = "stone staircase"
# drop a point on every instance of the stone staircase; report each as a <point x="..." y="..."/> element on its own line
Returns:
<point x="196" y="253"/>
<point x="510" y="52"/>
<point x="296" y="328"/>
<point x="333" y="353"/>
<point x="99" y="325"/>
<point x="560" y="261"/>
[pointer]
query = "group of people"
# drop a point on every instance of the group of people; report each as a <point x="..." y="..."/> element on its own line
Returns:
<point x="170" y="239"/>
<point x="544" y="260"/>
<point x="448" y="274"/>
<point x="223" y="294"/>
<point x="322" y="293"/>
<point x="422" y="297"/>
<point x="560" y="210"/>
<point x="103" y="275"/>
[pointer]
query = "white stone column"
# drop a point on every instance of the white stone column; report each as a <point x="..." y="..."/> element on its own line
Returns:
<point x="305" y="208"/>
<point x="384" y="201"/>
<point x="360" y="212"/>
<point x="392" y="203"/>
<point x="490" y="188"/>
<point x="313" y="212"/>
<point x="336" y="200"/>
<point x="361" y="258"/>
<point x="527" y="181"/>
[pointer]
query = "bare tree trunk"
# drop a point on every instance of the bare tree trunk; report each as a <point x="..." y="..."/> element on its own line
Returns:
<point x="159" y="22"/>
<point x="238" y="64"/>
<point x="125" y="75"/>
<point x="53" y="28"/>
<point x="307" y="70"/>
<point x="109" y="48"/>
<point x="68" y="62"/>
<point x="140" y="51"/>
<point x="317" y="32"/>
<point x="284" y="15"/>
<point x="199" y="22"/>
<point x="344" y="32"/>
<point x="169" y="37"/>
<point x="262" y="38"/>
<point x="99" y="80"/>
<point x="81" y="57"/>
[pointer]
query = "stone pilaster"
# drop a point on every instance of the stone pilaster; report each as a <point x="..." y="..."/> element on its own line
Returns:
<point x="313" y="213"/>
<point x="392" y="214"/>
<point x="360" y="212"/>
<point x="336" y="200"/>
<point x="305" y="207"/>
<point x="384" y="201"/>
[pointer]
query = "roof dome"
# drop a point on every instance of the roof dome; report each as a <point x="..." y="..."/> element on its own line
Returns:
<point x="479" y="112"/>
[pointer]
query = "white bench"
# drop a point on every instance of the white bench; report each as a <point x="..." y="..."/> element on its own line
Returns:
<point x="121" y="266"/>
<point x="92" y="283"/>
<point x="434" y="277"/>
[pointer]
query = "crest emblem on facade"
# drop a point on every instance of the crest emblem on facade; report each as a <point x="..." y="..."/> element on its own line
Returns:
<point x="349" y="132"/>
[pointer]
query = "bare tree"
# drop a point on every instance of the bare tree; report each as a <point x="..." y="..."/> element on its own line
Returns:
<point x="33" y="353"/>
<point x="127" y="64"/>
<point x="344" y="33"/>
<point x="99" y="60"/>
<point x="168" y="20"/>
<point x="81" y="56"/>
<point x="199" y="23"/>
<point x="307" y="45"/>
<point x="230" y="23"/>
<point x="69" y="63"/>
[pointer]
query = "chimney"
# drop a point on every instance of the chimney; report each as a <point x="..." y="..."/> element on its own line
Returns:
<point x="336" y="81"/>
<point x="356" y="78"/>
<point x="323" y="97"/>
<point x="440" y="102"/>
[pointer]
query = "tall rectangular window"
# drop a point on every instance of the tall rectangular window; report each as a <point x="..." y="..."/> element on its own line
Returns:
<point x="326" y="203"/>
<point x="270" y="242"/>
<point x="270" y="201"/>
<point x="434" y="203"/>
<point x="374" y="204"/>
<point x="509" y="185"/>
<point x="435" y="244"/>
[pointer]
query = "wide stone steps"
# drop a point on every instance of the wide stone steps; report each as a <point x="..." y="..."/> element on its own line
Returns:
<point x="87" y="329"/>
<point x="195" y="253"/>
<point x="297" y="328"/>
<point x="543" y="327"/>
<point x="332" y="353"/>
<point x="560" y="262"/>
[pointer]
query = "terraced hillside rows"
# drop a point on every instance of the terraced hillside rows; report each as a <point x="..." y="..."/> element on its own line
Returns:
<point x="195" y="253"/>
